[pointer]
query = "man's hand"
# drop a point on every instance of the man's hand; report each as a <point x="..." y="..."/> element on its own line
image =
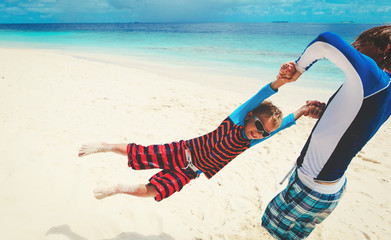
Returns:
<point x="287" y="70"/>
<point x="314" y="109"/>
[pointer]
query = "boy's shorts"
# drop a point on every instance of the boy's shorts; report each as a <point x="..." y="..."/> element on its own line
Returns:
<point x="295" y="211"/>
<point x="169" y="157"/>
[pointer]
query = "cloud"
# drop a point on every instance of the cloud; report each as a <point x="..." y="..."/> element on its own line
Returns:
<point x="190" y="10"/>
<point x="86" y="6"/>
<point x="200" y="10"/>
<point x="384" y="9"/>
<point x="13" y="10"/>
<point x="338" y="1"/>
<point x="124" y="4"/>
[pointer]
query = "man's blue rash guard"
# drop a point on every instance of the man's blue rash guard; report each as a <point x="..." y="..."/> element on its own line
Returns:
<point x="239" y="115"/>
<point x="353" y="114"/>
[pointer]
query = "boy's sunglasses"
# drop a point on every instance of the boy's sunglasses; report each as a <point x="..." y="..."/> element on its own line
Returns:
<point x="260" y="128"/>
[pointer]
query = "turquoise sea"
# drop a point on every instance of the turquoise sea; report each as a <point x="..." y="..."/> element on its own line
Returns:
<point x="253" y="47"/>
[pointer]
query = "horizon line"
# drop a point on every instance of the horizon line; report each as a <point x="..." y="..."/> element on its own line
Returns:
<point x="139" y="22"/>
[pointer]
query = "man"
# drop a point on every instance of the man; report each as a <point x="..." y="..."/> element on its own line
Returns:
<point x="352" y="116"/>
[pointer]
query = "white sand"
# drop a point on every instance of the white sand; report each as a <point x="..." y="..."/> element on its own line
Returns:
<point x="53" y="102"/>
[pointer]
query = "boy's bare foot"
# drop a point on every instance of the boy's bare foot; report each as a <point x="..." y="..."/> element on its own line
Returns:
<point x="100" y="193"/>
<point x="93" y="148"/>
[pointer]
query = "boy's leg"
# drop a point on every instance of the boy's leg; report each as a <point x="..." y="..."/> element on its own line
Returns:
<point x="163" y="156"/>
<point x="170" y="157"/>
<point x="161" y="186"/>
<point x="141" y="190"/>
<point x="103" y="147"/>
<point x="167" y="182"/>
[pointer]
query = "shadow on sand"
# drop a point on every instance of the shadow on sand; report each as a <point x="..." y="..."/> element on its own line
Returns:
<point x="67" y="232"/>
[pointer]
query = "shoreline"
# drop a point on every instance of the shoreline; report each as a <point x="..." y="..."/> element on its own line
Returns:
<point x="54" y="102"/>
<point x="237" y="69"/>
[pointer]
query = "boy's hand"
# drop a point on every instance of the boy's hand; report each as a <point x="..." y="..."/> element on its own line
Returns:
<point x="287" y="74"/>
<point x="313" y="109"/>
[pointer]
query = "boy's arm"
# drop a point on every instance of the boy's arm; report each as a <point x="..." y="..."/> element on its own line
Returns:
<point x="240" y="113"/>
<point x="284" y="76"/>
<point x="287" y="74"/>
<point x="313" y="109"/>
<point x="300" y="112"/>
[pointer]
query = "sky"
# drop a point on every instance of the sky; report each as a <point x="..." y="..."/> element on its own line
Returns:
<point x="99" y="11"/>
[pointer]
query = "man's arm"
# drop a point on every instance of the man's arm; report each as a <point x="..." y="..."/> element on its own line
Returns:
<point x="361" y="72"/>
<point x="332" y="47"/>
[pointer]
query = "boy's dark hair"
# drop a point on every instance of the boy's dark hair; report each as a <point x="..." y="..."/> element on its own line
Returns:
<point x="269" y="110"/>
<point x="380" y="37"/>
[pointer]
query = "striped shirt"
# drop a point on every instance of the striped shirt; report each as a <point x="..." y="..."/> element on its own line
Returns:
<point x="212" y="151"/>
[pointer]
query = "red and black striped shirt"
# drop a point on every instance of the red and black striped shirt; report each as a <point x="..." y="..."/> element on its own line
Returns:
<point x="212" y="151"/>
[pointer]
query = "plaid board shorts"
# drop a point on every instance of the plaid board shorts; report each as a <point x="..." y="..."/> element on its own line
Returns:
<point x="295" y="211"/>
<point x="169" y="157"/>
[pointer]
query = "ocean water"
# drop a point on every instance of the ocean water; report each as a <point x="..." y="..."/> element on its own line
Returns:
<point x="254" y="47"/>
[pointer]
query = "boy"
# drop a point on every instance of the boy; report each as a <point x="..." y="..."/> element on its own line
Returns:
<point x="318" y="183"/>
<point x="182" y="161"/>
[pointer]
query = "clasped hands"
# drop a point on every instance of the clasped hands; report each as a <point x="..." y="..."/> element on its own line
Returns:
<point x="288" y="73"/>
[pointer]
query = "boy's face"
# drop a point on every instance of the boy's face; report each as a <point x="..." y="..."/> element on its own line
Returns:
<point x="251" y="130"/>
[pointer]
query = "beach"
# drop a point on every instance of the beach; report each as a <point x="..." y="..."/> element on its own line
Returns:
<point x="54" y="101"/>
